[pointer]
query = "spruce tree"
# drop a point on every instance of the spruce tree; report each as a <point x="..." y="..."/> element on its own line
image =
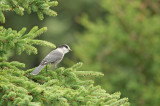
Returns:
<point x="60" y="87"/>
<point x="125" y="47"/>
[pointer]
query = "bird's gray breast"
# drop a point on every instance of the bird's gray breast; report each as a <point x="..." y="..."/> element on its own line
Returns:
<point x="52" y="57"/>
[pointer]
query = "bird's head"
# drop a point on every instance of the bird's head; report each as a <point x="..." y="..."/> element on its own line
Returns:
<point x="65" y="48"/>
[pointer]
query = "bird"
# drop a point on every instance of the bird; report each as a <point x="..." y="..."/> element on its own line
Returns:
<point x="54" y="57"/>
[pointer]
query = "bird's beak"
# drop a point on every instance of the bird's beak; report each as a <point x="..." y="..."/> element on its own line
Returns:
<point x="70" y="50"/>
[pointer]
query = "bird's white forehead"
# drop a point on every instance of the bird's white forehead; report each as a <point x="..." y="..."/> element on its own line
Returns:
<point x="63" y="50"/>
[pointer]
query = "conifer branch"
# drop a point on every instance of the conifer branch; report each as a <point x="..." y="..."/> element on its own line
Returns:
<point x="11" y="39"/>
<point x="20" y="6"/>
<point x="65" y="87"/>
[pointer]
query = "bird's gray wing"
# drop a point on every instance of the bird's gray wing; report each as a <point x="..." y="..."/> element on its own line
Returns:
<point x="52" y="57"/>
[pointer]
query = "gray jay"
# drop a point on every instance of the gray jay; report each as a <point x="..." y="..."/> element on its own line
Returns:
<point x="53" y="57"/>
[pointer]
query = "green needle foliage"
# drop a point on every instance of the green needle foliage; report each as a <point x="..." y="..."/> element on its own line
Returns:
<point x="12" y="39"/>
<point x="41" y="7"/>
<point x="61" y="87"/>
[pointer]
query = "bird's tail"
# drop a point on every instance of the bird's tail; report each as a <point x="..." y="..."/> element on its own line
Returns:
<point x="37" y="70"/>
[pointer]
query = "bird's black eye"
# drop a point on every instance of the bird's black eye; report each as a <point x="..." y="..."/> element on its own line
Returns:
<point x="66" y="46"/>
<point x="61" y="46"/>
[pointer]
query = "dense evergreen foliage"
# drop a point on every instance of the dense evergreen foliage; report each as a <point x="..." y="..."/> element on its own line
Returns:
<point x="59" y="87"/>
<point x="19" y="6"/>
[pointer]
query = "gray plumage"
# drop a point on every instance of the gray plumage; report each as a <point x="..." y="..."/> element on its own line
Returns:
<point x="37" y="70"/>
<point x="53" y="57"/>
